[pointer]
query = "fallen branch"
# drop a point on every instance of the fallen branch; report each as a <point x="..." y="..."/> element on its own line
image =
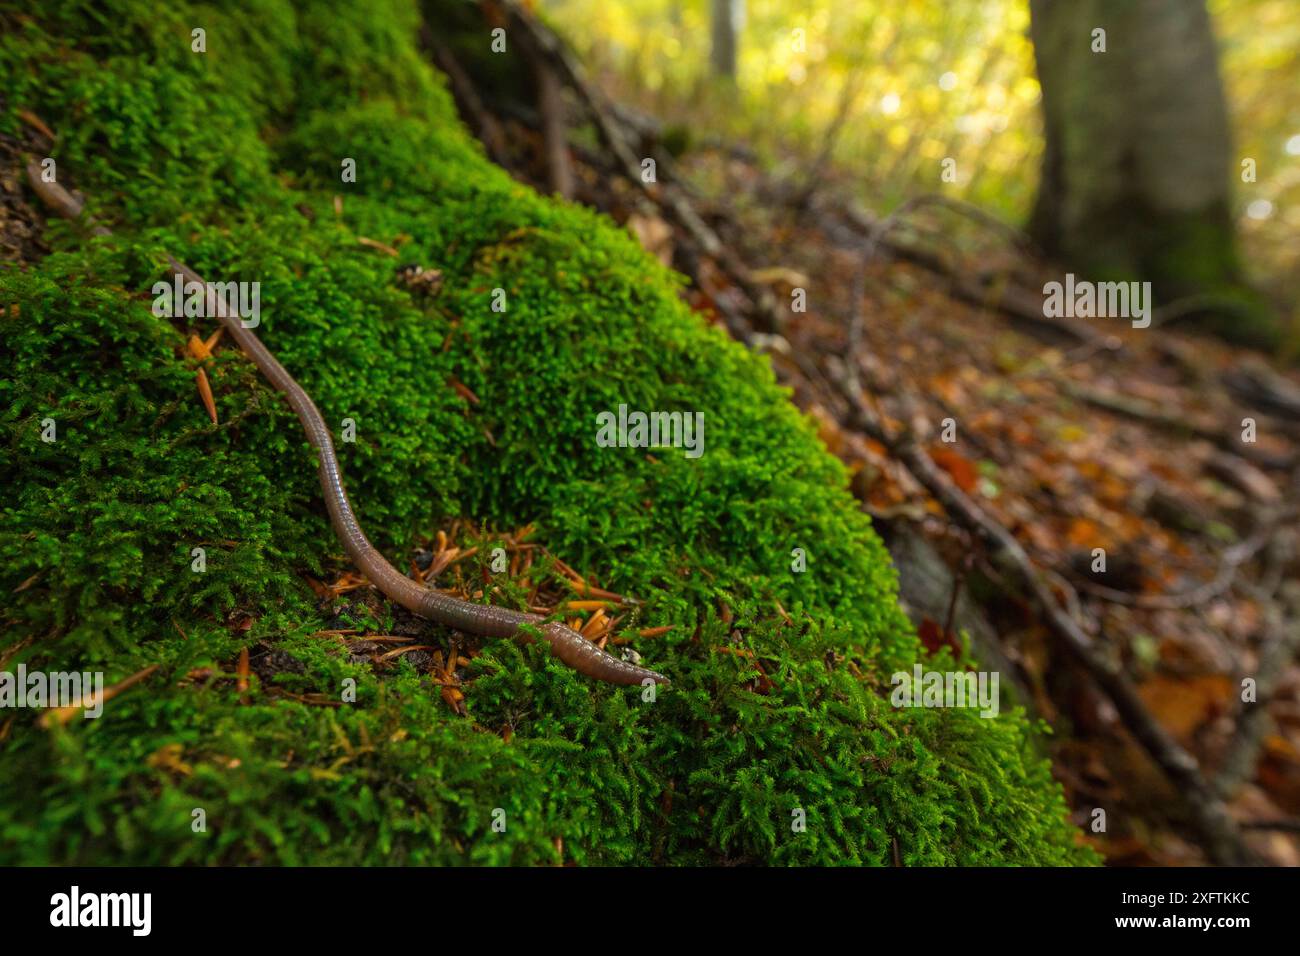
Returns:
<point x="59" y="199"/>
<point x="1024" y="308"/>
<point x="483" y="122"/>
<point x="1253" y="722"/>
<point x="1007" y="231"/>
<point x="1233" y="558"/>
<point x="676" y="207"/>
<point x="848" y="92"/>
<point x="550" y="109"/>
<point x="1285" y="826"/>
<point x="1175" y="424"/>
<point x="1220" y="833"/>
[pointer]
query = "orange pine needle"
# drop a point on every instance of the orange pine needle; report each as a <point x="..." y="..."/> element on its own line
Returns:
<point x="595" y="626"/>
<point x="441" y="561"/>
<point x="452" y="698"/>
<point x="198" y="348"/>
<point x="388" y="655"/>
<point x="587" y="605"/>
<point x="61" y="715"/>
<point x="780" y="610"/>
<point x="34" y="121"/>
<point x="463" y="391"/>
<point x="205" y="393"/>
<point x="373" y="244"/>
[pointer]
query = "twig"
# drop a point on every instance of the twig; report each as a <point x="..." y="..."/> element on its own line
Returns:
<point x="1253" y="722"/>
<point x="1144" y="412"/>
<point x="1018" y="304"/>
<point x="848" y="93"/>
<point x="485" y="124"/>
<point x="1287" y="826"/>
<point x="1192" y="304"/>
<point x="1233" y="558"/>
<point x="1009" y="232"/>
<point x="958" y="580"/>
<point x="59" y="199"/>
<point x="60" y="716"/>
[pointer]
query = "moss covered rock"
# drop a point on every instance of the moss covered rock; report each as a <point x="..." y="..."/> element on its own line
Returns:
<point x="231" y="160"/>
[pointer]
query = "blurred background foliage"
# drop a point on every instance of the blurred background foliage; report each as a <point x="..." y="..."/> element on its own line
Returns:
<point x="887" y="90"/>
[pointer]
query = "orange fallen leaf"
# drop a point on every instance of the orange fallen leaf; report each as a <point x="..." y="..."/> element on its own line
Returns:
<point x="1182" y="704"/>
<point x="168" y="757"/>
<point x="452" y="697"/>
<point x="959" y="468"/>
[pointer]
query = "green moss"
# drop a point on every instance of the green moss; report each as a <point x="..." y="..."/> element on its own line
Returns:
<point x="231" y="159"/>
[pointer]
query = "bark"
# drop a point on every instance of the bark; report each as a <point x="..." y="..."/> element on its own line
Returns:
<point x="725" y="17"/>
<point x="1137" y="167"/>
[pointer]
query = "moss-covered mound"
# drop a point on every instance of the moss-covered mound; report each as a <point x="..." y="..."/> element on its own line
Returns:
<point x="231" y="160"/>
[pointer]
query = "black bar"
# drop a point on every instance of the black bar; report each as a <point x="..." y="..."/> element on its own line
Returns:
<point x="587" y="906"/>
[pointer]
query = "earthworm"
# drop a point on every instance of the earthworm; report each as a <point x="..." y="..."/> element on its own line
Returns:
<point x="482" y="619"/>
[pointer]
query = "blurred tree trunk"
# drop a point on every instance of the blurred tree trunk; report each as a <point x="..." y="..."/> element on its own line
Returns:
<point x="727" y="16"/>
<point x="1137" y="165"/>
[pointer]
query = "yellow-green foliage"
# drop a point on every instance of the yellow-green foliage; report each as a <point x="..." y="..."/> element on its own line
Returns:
<point x="888" y="61"/>
<point x="231" y="160"/>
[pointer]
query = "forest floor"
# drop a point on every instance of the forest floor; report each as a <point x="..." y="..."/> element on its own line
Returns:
<point x="1071" y="436"/>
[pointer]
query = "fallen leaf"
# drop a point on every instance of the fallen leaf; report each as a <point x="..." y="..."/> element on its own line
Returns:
<point x="959" y="468"/>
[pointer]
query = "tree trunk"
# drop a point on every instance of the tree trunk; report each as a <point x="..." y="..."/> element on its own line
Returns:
<point x="1137" y="165"/>
<point x="726" y="18"/>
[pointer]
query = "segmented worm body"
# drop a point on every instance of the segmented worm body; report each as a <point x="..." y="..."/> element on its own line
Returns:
<point x="482" y="619"/>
